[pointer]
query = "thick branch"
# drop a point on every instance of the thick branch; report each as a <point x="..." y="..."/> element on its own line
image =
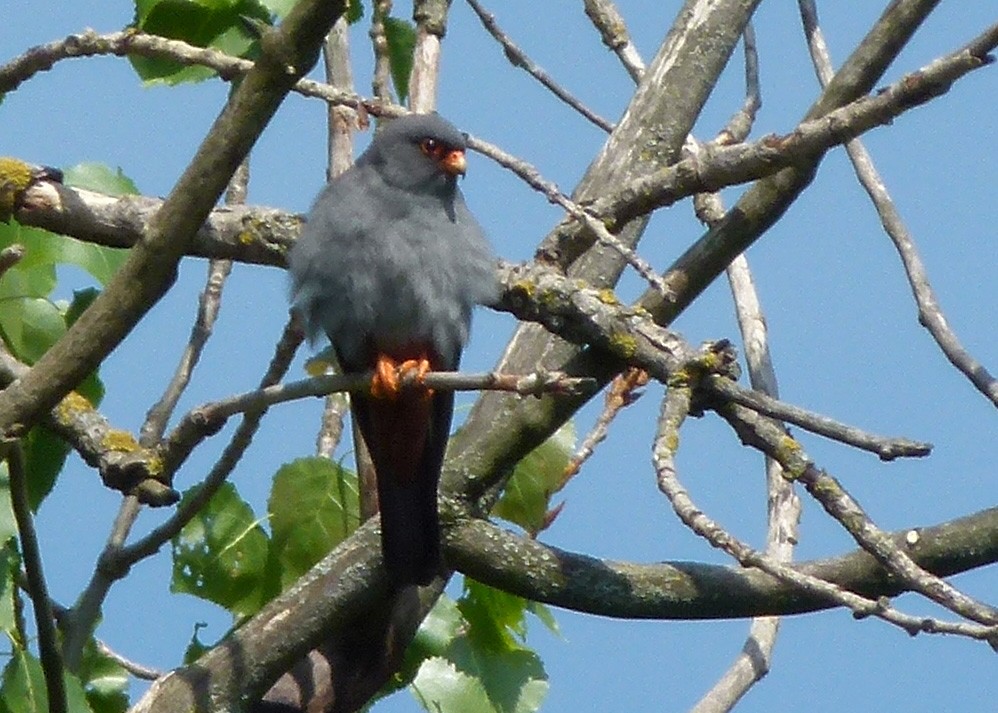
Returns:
<point x="286" y="54"/>
<point x="689" y="590"/>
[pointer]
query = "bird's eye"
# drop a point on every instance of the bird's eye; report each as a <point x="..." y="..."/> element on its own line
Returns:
<point x="432" y="148"/>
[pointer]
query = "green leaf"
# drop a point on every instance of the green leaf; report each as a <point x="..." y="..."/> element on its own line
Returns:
<point x="441" y="688"/>
<point x="221" y="554"/>
<point x="514" y="681"/>
<point x="474" y="657"/>
<point x="99" y="177"/>
<point x="195" y="647"/>
<point x="10" y="570"/>
<point x="279" y="8"/>
<point x="313" y="506"/>
<point x="401" y="38"/>
<point x="30" y="326"/>
<point x="497" y="618"/>
<point x="219" y="24"/>
<point x="23" y="687"/>
<point x="91" y="388"/>
<point x="355" y="11"/>
<point x="105" y="682"/>
<point x="44" y="455"/>
<point x="543" y="613"/>
<point x="8" y="525"/>
<point x="527" y="496"/>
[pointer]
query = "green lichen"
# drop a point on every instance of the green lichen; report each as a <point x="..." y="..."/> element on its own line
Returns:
<point x="623" y="345"/>
<point x="681" y="378"/>
<point x="789" y="454"/>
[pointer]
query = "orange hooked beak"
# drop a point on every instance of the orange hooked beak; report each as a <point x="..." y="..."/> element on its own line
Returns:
<point x="454" y="162"/>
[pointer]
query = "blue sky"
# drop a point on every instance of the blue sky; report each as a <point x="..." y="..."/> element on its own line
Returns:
<point x="845" y="337"/>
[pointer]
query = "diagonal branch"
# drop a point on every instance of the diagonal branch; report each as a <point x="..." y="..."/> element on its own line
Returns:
<point x="287" y="52"/>
<point x="930" y="314"/>
<point x="519" y="58"/>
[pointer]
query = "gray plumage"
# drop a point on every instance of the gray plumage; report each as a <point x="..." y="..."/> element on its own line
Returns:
<point x="390" y="264"/>
<point x="390" y="251"/>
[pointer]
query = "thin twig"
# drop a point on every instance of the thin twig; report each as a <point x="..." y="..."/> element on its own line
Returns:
<point x="140" y="671"/>
<point x="535" y="180"/>
<point x="622" y="392"/>
<point x="838" y="503"/>
<point x="783" y="512"/>
<point x="342" y="122"/>
<point x="773" y="440"/>
<point x="930" y="314"/>
<point x="342" y="119"/>
<point x="887" y="448"/>
<point x="740" y="124"/>
<point x="528" y="385"/>
<point x="519" y="58"/>
<point x="128" y="555"/>
<point x="48" y="647"/>
<point x="607" y="19"/>
<point x="861" y="607"/>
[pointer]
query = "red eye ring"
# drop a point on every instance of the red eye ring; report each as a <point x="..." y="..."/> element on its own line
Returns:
<point x="432" y="148"/>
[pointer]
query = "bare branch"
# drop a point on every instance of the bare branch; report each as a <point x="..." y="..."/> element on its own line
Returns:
<point x="140" y="671"/>
<point x="887" y="448"/>
<point x="519" y="58"/>
<point x="840" y="505"/>
<point x="772" y="439"/>
<point x="381" y="81"/>
<point x="123" y="558"/>
<point x="698" y="591"/>
<point x="607" y="19"/>
<point x="48" y="646"/>
<point x="623" y="392"/>
<point x="290" y="51"/>
<point x="740" y="124"/>
<point x="930" y="314"/>
<point x="430" y="17"/>
<point x="593" y="225"/>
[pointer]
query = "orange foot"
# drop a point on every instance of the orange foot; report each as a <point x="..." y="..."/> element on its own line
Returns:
<point x="387" y="380"/>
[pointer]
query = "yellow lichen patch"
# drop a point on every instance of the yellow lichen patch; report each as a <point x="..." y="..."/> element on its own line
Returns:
<point x="246" y="237"/>
<point x="789" y="453"/>
<point x="549" y="299"/>
<point x="72" y="404"/>
<point x="15" y="176"/>
<point x="680" y="379"/>
<point x="155" y="466"/>
<point x="623" y="345"/>
<point x="121" y="441"/>
<point x="525" y="286"/>
<point x="608" y="296"/>
<point x="671" y="440"/>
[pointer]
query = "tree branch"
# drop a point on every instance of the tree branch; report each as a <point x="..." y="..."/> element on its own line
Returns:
<point x="930" y="314"/>
<point x="287" y="52"/>
<point x="519" y="58"/>
<point x="48" y="645"/>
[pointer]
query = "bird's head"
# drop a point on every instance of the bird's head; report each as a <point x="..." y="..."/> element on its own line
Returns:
<point x="419" y="152"/>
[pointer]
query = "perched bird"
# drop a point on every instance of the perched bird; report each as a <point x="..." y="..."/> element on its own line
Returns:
<point x="389" y="265"/>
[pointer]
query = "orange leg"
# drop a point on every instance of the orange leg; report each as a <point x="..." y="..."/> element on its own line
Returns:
<point x="386" y="383"/>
